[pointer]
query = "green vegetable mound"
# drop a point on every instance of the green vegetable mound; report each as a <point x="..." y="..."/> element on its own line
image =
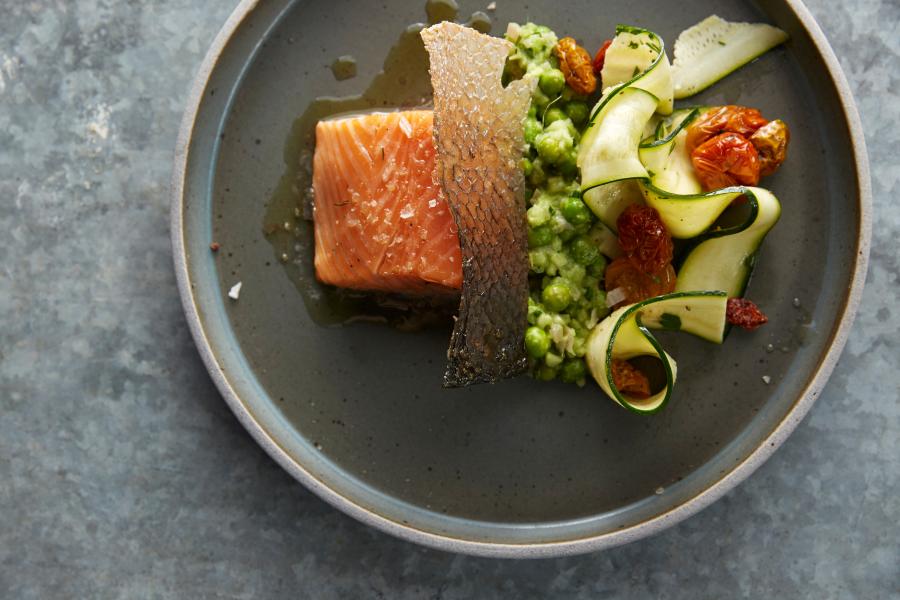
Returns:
<point x="566" y="292"/>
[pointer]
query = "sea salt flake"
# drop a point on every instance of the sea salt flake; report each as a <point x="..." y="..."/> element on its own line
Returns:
<point x="406" y="126"/>
<point x="235" y="290"/>
<point x="766" y="379"/>
<point x="615" y="296"/>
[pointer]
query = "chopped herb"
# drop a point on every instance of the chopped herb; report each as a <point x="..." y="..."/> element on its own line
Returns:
<point x="670" y="322"/>
<point x="633" y="45"/>
<point x="635" y="72"/>
<point x="721" y="43"/>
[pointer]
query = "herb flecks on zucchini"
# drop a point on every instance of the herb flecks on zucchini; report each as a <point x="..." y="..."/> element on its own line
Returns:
<point x="618" y="170"/>
<point x="714" y="48"/>
<point x="635" y="151"/>
<point x="626" y="334"/>
<point x="671" y="172"/>
<point x="637" y="59"/>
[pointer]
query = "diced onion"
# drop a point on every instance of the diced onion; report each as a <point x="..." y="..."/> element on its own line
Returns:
<point x="615" y="296"/>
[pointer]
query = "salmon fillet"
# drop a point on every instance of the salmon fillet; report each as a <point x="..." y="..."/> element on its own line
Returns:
<point x="381" y="219"/>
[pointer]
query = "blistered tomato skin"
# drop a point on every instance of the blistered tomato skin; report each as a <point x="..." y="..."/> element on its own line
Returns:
<point x="644" y="238"/>
<point x="635" y="283"/>
<point x="600" y="57"/>
<point x="725" y="160"/>
<point x="745" y="314"/>
<point x="771" y="142"/>
<point x="628" y="380"/>
<point x="575" y="63"/>
<point x="723" y="119"/>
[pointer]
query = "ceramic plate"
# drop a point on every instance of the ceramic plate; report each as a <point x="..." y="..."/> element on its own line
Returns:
<point x="522" y="468"/>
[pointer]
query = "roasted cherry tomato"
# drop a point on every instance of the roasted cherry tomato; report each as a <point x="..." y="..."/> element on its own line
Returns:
<point x="635" y="283"/>
<point x="628" y="380"/>
<point x="575" y="63"/>
<point x="644" y="238"/>
<point x="600" y="57"/>
<point x="723" y="119"/>
<point x="771" y="143"/>
<point x="725" y="160"/>
<point x="744" y="313"/>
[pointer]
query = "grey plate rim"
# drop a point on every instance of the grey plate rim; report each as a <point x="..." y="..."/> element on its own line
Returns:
<point x="646" y="528"/>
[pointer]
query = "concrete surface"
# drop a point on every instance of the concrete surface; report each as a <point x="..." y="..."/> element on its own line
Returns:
<point x="124" y="475"/>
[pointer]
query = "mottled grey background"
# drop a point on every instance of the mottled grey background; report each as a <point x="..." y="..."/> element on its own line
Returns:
<point x="124" y="475"/>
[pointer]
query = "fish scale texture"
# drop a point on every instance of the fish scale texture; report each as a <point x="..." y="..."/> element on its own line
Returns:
<point x="479" y="139"/>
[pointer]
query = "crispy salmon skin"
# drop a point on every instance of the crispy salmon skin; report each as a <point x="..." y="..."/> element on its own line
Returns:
<point x="480" y="140"/>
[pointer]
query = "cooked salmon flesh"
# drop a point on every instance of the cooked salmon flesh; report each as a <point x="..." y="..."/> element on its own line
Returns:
<point x="381" y="219"/>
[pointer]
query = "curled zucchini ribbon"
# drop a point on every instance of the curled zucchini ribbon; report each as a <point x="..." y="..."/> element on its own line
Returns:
<point x="626" y="334"/>
<point x="634" y="151"/>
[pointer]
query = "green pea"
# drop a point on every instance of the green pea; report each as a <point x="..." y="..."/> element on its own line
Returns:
<point x="597" y="269"/>
<point x="582" y="228"/>
<point x="556" y="185"/>
<point x="556" y="296"/>
<point x="540" y="99"/>
<point x="551" y="359"/>
<point x="539" y="236"/>
<point x="578" y="112"/>
<point x="527" y="166"/>
<point x="569" y="94"/>
<point x="532" y="129"/>
<point x="545" y="373"/>
<point x="534" y="309"/>
<point x="574" y="273"/>
<point x="538" y="260"/>
<point x="568" y="165"/>
<point x="566" y="234"/>
<point x="515" y="68"/>
<point x="549" y="148"/>
<point x="537" y="342"/>
<point x="552" y="81"/>
<point x="575" y="211"/>
<point x="537" y="175"/>
<point x="572" y="370"/>
<point x="554" y="114"/>
<point x="583" y="251"/>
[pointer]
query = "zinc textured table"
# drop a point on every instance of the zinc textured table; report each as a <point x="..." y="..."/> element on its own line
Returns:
<point x="123" y="474"/>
